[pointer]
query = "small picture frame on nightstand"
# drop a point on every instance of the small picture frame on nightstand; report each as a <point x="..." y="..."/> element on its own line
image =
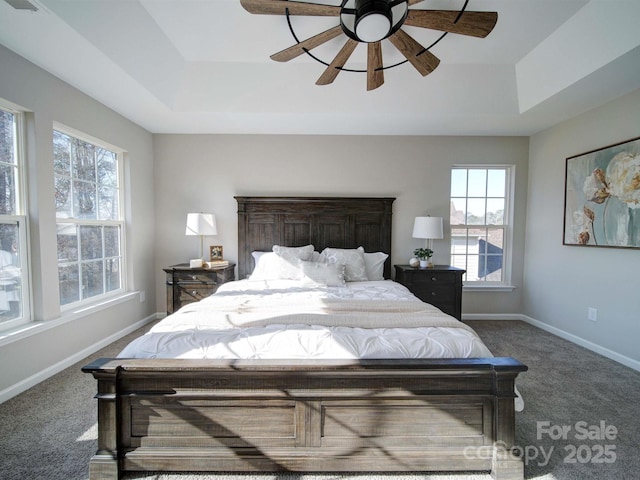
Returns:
<point x="215" y="253"/>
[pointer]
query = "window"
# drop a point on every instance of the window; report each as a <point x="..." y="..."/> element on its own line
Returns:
<point x="14" y="291"/>
<point x="89" y="218"/>
<point x="480" y="222"/>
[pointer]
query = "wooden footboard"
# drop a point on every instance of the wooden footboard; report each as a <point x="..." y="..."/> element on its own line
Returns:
<point x="375" y="415"/>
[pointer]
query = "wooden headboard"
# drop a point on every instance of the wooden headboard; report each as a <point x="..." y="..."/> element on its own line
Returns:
<point x="338" y="222"/>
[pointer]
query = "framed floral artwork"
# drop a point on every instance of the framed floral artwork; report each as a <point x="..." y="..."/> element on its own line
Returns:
<point x="602" y="197"/>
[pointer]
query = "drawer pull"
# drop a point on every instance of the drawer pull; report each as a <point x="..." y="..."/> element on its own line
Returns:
<point x="194" y="277"/>
<point x="194" y="293"/>
<point x="433" y="294"/>
<point x="434" y="279"/>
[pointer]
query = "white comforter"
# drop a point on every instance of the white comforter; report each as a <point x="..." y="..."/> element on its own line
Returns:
<point x="282" y="320"/>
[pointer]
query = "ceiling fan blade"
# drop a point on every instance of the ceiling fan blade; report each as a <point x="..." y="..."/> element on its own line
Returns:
<point x="279" y="7"/>
<point x="375" y="74"/>
<point x="475" y="24"/>
<point x="423" y="60"/>
<point x="308" y="44"/>
<point x="332" y="71"/>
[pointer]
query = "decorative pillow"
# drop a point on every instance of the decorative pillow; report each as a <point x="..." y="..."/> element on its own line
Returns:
<point x="352" y="259"/>
<point x="292" y="253"/>
<point x="374" y="264"/>
<point x="317" y="273"/>
<point x="270" y="266"/>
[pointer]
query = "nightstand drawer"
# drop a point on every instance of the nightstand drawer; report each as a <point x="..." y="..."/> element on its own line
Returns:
<point x="188" y="293"/>
<point x="434" y="293"/>
<point x="434" y="280"/>
<point x="187" y="278"/>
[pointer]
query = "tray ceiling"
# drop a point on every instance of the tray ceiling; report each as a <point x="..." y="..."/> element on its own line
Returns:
<point x="203" y="66"/>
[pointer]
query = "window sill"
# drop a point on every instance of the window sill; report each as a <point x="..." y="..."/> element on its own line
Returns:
<point x="35" y="327"/>
<point x="488" y="288"/>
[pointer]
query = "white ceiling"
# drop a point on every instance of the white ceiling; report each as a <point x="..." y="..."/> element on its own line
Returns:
<point x="203" y="66"/>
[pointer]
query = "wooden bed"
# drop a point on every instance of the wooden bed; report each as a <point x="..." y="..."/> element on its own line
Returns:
<point x="311" y="416"/>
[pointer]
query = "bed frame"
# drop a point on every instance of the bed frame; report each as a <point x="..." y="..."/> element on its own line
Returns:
<point x="311" y="416"/>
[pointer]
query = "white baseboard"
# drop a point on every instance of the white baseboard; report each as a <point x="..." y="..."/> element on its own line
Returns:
<point x="33" y="380"/>
<point x="594" y="347"/>
<point x="492" y="316"/>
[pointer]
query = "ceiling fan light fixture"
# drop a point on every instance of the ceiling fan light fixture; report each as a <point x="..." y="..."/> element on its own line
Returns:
<point x="373" y="20"/>
<point x="372" y="27"/>
<point x="370" y="21"/>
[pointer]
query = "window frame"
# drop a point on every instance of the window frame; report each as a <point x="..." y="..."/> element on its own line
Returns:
<point x="507" y="227"/>
<point x="20" y="218"/>
<point x="80" y="222"/>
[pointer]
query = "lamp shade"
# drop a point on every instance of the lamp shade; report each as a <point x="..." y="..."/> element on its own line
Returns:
<point x="428" y="227"/>
<point x="201" y="224"/>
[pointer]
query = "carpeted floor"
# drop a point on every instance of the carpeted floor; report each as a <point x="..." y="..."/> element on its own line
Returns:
<point x="49" y="432"/>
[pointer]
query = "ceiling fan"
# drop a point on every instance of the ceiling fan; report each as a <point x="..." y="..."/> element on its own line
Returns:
<point x="370" y="22"/>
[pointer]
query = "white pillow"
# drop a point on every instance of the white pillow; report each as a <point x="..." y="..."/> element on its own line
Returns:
<point x="256" y="257"/>
<point x="317" y="273"/>
<point x="353" y="260"/>
<point x="271" y="266"/>
<point x="374" y="264"/>
<point x="291" y="253"/>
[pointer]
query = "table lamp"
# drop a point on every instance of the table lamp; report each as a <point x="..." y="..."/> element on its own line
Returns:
<point x="429" y="228"/>
<point x="201" y="224"/>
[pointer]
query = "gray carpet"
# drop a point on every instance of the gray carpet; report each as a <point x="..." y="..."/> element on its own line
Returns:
<point x="49" y="431"/>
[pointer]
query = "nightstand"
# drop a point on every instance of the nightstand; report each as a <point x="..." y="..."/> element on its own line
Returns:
<point x="440" y="285"/>
<point x="187" y="285"/>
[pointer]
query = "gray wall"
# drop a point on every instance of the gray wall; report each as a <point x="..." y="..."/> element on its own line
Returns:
<point x="49" y="99"/>
<point x="204" y="172"/>
<point x="561" y="282"/>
